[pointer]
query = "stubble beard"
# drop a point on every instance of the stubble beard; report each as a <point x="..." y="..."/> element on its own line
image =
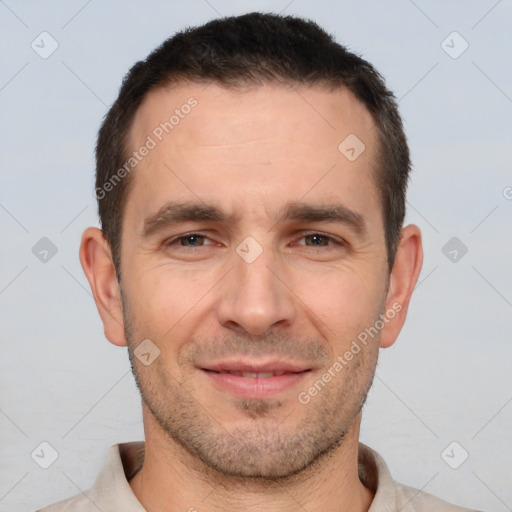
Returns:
<point x="263" y="449"/>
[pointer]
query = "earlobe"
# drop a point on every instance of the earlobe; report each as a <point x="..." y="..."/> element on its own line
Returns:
<point x="96" y="260"/>
<point x="404" y="275"/>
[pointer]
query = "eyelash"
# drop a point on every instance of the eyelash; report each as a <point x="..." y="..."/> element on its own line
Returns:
<point x="332" y="240"/>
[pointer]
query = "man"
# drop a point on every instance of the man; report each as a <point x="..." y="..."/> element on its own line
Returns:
<point x="251" y="182"/>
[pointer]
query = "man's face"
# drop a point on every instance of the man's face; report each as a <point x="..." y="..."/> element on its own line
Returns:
<point x="252" y="278"/>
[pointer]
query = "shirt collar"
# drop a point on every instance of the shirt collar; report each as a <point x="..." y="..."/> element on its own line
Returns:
<point x="112" y="489"/>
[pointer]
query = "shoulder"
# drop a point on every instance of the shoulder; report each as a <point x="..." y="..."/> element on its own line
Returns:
<point x="391" y="495"/>
<point x="413" y="500"/>
<point x="111" y="489"/>
<point x="79" y="502"/>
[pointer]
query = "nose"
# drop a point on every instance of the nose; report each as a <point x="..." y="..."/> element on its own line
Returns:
<point x="255" y="297"/>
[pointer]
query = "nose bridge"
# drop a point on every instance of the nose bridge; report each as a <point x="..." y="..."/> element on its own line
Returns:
<point x="254" y="275"/>
<point x="254" y="298"/>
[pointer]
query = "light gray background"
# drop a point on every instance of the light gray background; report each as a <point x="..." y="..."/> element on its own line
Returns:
<point x="448" y="376"/>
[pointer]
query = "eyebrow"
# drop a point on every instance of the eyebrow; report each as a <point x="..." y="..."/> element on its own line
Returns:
<point x="175" y="213"/>
<point x="326" y="213"/>
<point x="179" y="212"/>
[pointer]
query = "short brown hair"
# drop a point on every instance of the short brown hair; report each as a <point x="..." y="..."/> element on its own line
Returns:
<point x="238" y="51"/>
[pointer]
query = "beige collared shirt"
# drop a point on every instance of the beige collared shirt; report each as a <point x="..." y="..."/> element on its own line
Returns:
<point x="111" y="491"/>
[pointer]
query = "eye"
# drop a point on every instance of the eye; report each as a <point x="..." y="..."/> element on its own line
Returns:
<point x="315" y="239"/>
<point x="188" y="241"/>
<point x="191" y="240"/>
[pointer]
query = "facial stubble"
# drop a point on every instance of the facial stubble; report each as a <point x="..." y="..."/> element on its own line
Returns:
<point x="262" y="447"/>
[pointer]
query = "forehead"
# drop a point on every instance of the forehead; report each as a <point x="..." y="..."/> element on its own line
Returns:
<point x="266" y="109"/>
<point x="268" y="142"/>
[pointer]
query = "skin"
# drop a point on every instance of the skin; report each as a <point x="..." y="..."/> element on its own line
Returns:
<point x="304" y="298"/>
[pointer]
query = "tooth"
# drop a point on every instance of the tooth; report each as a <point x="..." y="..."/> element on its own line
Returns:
<point x="254" y="375"/>
<point x="260" y="375"/>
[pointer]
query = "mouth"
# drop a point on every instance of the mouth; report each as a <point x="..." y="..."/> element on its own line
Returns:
<point x="256" y="381"/>
<point x="255" y="375"/>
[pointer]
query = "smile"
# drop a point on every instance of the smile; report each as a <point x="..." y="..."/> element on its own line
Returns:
<point x="255" y="382"/>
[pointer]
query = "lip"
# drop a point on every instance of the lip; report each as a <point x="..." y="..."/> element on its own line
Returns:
<point x="251" y="366"/>
<point x="254" y="386"/>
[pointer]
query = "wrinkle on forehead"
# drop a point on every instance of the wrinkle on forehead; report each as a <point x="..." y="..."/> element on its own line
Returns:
<point x="254" y="115"/>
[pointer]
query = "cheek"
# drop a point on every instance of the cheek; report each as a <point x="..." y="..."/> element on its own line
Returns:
<point x="167" y="291"/>
<point x="344" y="301"/>
<point x="167" y="304"/>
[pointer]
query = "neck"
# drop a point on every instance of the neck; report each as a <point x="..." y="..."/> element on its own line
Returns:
<point x="172" y="479"/>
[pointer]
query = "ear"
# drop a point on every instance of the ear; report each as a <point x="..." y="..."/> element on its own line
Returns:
<point x="97" y="263"/>
<point x="403" y="278"/>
